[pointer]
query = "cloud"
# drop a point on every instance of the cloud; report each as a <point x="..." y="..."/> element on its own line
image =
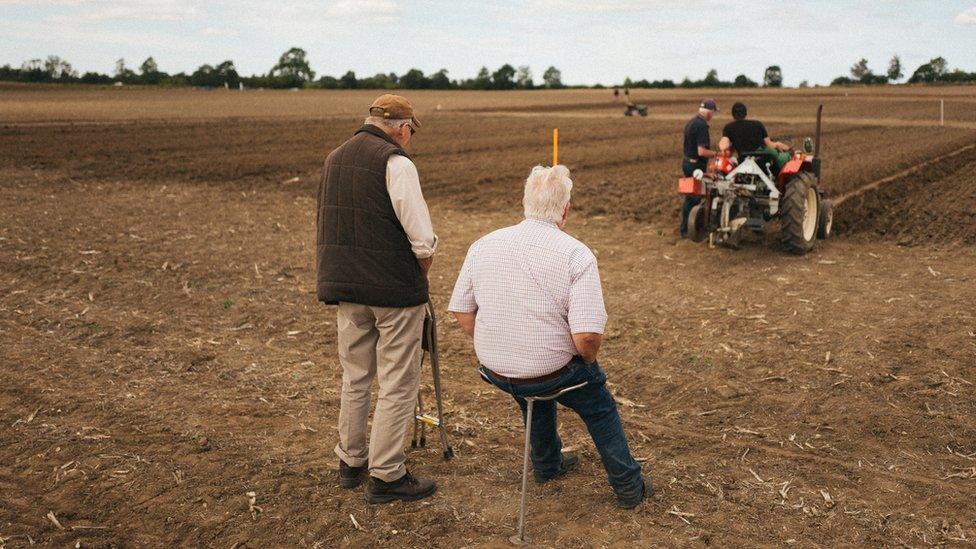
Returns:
<point x="94" y="11"/>
<point x="598" y="6"/>
<point x="118" y="39"/>
<point x="303" y="17"/>
<point x="219" y="32"/>
<point x="380" y="9"/>
<point x="967" y="17"/>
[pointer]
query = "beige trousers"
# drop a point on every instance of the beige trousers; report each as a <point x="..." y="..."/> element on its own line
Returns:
<point x="382" y="342"/>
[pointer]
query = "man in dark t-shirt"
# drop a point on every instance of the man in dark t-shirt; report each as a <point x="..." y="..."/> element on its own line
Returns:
<point x="696" y="152"/>
<point x="747" y="136"/>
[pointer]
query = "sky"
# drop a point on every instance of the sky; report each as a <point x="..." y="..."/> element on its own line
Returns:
<point x="595" y="41"/>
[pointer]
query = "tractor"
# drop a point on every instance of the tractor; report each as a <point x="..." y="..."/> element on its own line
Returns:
<point x="635" y="109"/>
<point x="744" y="194"/>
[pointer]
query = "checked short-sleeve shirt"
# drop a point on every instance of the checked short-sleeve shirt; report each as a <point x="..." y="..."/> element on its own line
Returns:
<point x="533" y="286"/>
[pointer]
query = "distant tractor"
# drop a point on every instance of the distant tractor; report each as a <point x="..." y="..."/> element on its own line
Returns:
<point x="635" y="109"/>
<point x="745" y="195"/>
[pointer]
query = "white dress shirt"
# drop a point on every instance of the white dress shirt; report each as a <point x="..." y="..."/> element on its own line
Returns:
<point x="403" y="185"/>
<point x="533" y="286"/>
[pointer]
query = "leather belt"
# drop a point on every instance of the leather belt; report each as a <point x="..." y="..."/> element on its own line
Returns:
<point x="529" y="380"/>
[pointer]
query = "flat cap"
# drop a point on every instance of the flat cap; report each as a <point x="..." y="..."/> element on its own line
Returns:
<point x="394" y="107"/>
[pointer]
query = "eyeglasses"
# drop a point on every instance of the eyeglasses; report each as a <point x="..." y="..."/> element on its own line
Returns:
<point x="412" y="130"/>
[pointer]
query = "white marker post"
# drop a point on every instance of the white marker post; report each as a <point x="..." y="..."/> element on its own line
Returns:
<point x="942" y="112"/>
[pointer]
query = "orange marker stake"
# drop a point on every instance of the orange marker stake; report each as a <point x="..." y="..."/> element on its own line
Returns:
<point x="555" y="146"/>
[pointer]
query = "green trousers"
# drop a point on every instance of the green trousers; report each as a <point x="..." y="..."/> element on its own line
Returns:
<point x="779" y="158"/>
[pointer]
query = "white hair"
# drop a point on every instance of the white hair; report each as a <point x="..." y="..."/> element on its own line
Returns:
<point x="547" y="192"/>
<point x="703" y="111"/>
<point x="388" y="122"/>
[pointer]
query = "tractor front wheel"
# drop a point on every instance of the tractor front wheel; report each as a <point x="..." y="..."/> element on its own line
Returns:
<point x="799" y="212"/>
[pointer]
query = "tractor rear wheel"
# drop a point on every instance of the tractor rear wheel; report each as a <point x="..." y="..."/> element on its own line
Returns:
<point x="697" y="223"/>
<point x="799" y="213"/>
<point x="826" y="222"/>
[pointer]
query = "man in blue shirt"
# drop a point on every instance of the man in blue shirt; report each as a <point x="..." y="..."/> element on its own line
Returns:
<point x="696" y="153"/>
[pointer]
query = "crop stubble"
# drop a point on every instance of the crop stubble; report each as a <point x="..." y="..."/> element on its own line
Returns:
<point x="160" y="334"/>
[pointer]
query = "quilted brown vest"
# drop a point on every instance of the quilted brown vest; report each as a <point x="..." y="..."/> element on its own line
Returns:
<point x="363" y="253"/>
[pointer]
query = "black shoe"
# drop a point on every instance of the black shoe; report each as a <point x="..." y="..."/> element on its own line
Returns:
<point x="406" y="488"/>
<point x="351" y="477"/>
<point x="568" y="462"/>
<point x="629" y="502"/>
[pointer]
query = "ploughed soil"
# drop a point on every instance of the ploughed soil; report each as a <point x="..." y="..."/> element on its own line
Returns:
<point x="162" y="354"/>
<point x="935" y="204"/>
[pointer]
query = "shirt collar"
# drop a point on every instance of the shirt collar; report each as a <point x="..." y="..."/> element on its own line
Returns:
<point x="540" y="222"/>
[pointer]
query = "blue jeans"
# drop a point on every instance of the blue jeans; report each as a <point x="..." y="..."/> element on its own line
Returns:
<point x="595" y="406"/>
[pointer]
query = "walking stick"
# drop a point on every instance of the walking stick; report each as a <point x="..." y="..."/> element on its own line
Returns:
<point x="423" y="419"/>
<point x="420" y="424"/>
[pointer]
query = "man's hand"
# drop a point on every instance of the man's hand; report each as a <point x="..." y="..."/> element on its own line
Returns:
<point x="466" y="320"/>
<point x="705" y="153"/>
<point x="778" y="145"/>
<point x="425" y="264"/>
<point x="588" y="345"/>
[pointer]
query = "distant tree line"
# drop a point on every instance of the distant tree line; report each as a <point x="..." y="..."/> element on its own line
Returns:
<point x="291" y="71"/>
<point x="772" y="78"/>
<point x="294" y="71"/>
<point x="935" y="71"/>
<point x="506" y="77"/>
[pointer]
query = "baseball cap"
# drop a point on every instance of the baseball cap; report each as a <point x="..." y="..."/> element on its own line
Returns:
<point x="395" y="107"/>
<point x="709" y="104"/>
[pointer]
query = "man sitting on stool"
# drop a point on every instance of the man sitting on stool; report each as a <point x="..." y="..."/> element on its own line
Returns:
<point x="530" y="296"/>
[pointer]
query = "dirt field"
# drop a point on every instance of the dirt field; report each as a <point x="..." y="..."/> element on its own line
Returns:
<point x="162" y="353"/>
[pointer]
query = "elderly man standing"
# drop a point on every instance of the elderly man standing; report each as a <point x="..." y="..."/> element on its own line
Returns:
<point x="375" y="248"/>
<point x="530" y="296"/>
<point x="696" y="153"/>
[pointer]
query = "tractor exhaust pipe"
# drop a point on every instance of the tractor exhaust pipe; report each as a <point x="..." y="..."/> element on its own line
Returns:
<point x="816" y="151"/>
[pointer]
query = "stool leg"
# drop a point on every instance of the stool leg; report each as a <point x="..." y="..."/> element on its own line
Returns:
<point x="416" y="422"/>
<point x="520" y="538"/>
